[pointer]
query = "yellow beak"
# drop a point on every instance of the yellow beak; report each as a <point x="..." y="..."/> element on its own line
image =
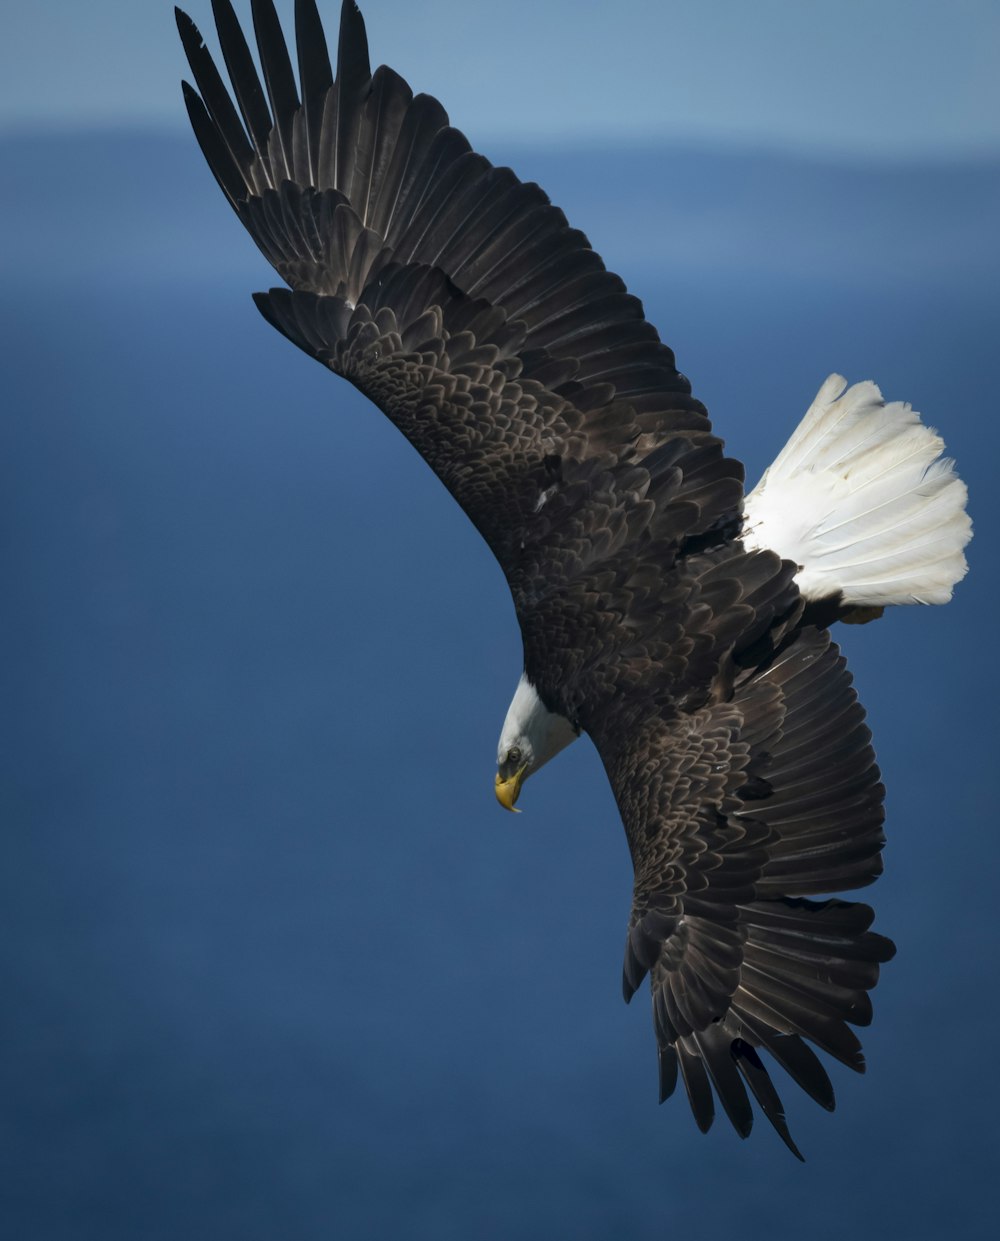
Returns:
<point x="507" y="791"/>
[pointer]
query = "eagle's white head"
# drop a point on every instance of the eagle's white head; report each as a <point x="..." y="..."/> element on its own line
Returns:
<point x="531" y="736"/>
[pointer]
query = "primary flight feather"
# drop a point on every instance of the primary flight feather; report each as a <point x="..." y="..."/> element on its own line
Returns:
<point x="683" y="626"/>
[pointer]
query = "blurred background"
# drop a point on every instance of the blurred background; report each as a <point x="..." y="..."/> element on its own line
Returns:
<point x="274" y="963"/>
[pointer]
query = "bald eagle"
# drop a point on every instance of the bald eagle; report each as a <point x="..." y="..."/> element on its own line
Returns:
<point x="682" y="625"/>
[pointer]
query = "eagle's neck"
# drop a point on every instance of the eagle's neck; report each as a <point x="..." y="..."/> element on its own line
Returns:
<point x="539" y="732"/>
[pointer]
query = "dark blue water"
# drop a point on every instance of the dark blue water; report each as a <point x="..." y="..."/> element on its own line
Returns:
<point x="275" y="965"/>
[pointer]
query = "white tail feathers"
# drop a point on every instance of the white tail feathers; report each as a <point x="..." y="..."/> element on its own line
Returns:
<point x="862" y="500"/>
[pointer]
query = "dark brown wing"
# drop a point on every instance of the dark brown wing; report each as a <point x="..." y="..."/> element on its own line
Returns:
<point x="463" y="304"/>
<point x="735" y="812"/>
<point x="457" y="298"/>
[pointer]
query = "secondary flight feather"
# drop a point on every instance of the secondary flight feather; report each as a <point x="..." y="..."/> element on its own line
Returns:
<point x="682" y="625"/>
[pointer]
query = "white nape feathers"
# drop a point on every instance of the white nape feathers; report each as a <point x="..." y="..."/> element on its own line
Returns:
<point x="531" y="728"/>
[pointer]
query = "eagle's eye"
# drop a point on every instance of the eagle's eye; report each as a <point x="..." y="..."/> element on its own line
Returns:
<point x="514" y="755"/>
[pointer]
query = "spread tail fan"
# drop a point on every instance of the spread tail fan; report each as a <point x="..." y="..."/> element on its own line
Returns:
<point x="862" y="501"/>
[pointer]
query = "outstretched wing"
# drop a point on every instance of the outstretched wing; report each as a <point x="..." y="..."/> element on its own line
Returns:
<point x="463" y="304"/>
<point x="737" y="813"/>
<point x="456" y="297"/>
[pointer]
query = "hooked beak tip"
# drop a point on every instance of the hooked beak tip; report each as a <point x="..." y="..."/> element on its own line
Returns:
<point x="507" y="791"/>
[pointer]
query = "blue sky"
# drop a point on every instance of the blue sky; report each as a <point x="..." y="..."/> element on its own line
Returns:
<point x="892" y="78"/>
